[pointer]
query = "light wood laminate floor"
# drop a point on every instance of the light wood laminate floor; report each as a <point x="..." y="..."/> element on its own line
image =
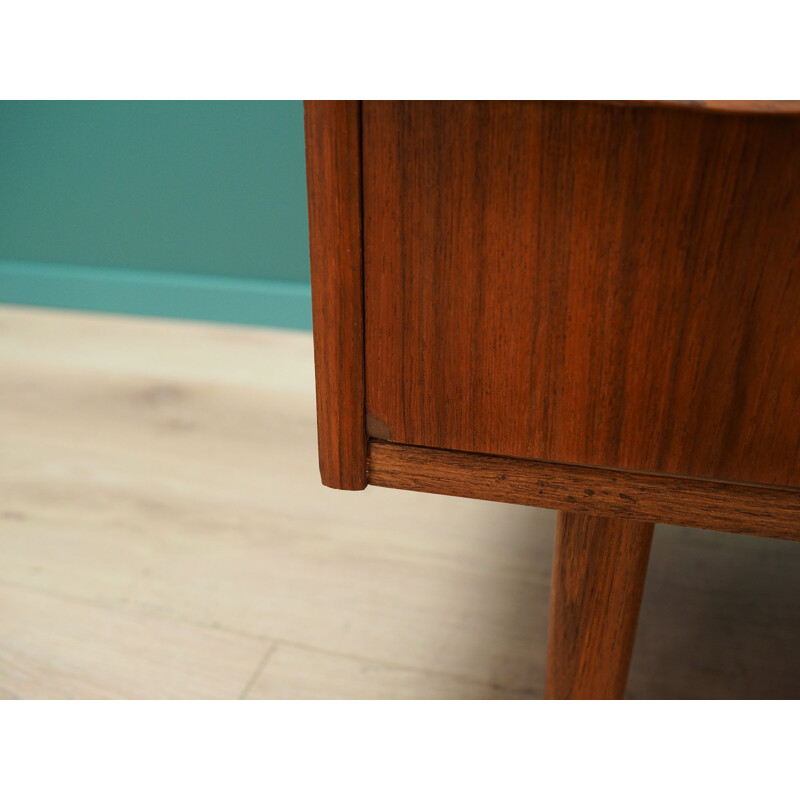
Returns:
<point x="163" y="534"/>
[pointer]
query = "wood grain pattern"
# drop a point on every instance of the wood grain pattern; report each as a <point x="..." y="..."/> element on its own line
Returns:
<point x="586" y="283"/>
<point x="333" y="168"/>
<point x="738" y="508"/>
<point x="725" y="106"/>
<point x="55" y="648"/>
<point x="599" y="570"/>
<point x="296" y="673"/>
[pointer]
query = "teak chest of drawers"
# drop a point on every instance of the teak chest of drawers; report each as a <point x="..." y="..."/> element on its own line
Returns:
<point x="592" y="307"/>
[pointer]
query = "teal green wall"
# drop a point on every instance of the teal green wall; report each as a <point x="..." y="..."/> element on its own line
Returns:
<point x="187" y="209"/>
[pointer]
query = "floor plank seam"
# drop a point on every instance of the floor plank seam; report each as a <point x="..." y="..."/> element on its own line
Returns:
<point x="259" y="669"/>
<point x="134" y="609"/>
<point x="163" y="613"/>
<point x="420" y="670"/>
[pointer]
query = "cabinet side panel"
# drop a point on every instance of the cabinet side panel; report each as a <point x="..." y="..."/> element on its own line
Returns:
<point x="586" y="283"/>
<point x="333" y="168"/>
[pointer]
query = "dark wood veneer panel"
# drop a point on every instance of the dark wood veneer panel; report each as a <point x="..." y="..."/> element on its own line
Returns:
<point x="586" y="283"/>
<point x="723" y="106"/>
<point x="693" y="502"/>
<point x="333" y="168"/>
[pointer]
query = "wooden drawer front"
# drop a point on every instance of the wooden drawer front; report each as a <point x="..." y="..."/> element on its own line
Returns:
<point x="585" y="283"/>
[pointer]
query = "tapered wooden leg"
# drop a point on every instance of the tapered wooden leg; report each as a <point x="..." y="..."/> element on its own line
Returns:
<point x="599" y="569"/>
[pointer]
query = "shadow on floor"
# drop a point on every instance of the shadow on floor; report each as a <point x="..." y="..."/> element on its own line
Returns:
<point x="720" y="618"/>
